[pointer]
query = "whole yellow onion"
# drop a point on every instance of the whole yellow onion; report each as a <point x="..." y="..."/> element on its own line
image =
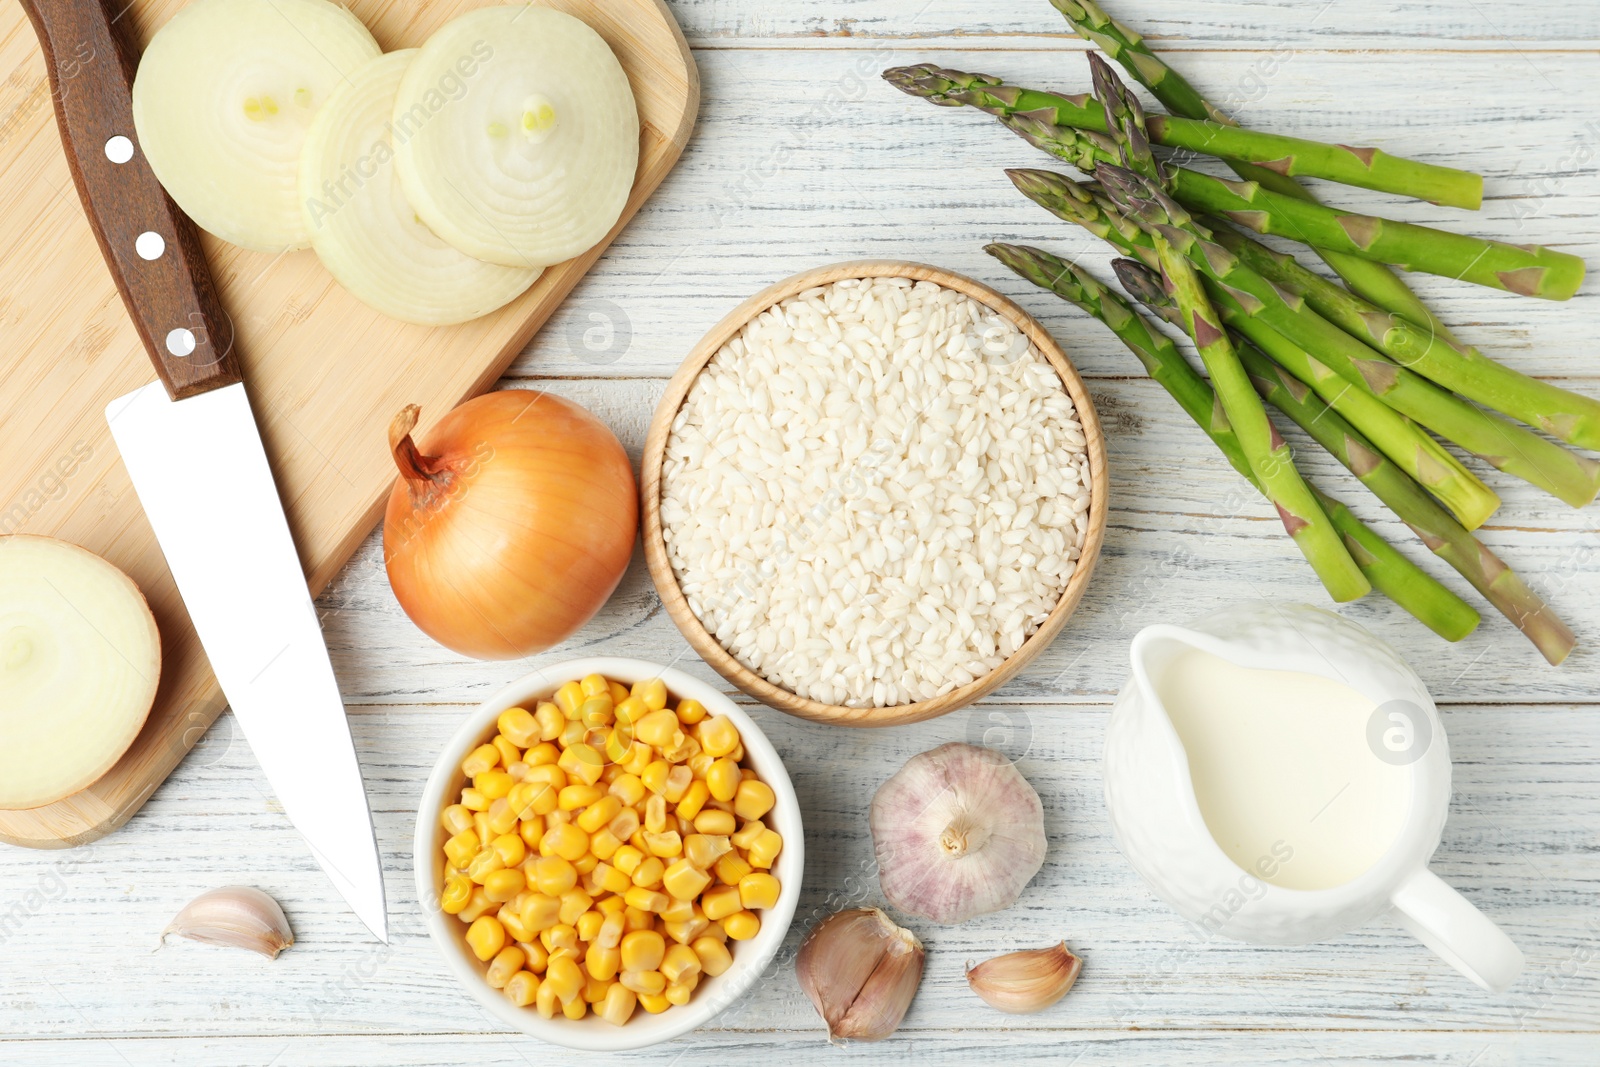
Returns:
<point x="510" y="524"/>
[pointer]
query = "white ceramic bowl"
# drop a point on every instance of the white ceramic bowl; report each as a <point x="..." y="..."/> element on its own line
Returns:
<point x="591" y="1034"/>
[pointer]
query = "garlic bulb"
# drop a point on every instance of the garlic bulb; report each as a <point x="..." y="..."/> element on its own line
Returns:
<point x="1027" y="981"/>
<point x="860" y="971"/>
<point x="958" y="832"/>
<point x="235" y="916"/>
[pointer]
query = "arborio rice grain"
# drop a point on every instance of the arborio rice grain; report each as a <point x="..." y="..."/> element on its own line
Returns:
<point x="875" y="492"/>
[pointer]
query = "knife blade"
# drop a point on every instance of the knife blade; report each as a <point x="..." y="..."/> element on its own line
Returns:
<point x="193" y="451"/>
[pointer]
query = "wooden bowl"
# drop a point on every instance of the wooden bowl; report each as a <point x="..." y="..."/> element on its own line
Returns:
<point x="655" y="549"/>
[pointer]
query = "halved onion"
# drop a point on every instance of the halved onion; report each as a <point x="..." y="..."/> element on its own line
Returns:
<point x="363" y="229"/>
<point x="221" y="103"/>
<point x="79" y="661"/>
<point x="517" y="137"/>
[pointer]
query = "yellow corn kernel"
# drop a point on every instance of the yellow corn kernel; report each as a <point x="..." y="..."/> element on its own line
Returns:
<point x="648" y="874"/>
<point x="699" y="764"/>
<point x="522" y="988"/>
<point x="540" y="912"/>
<point x="765" y="848"/>
<point x="500" y="886"/>
<point x="602" y="963"/>
<point x="550" y="721"/>
<point x="473" y="800"/>
<point x="554" y="875"/>
<point x="715" y="823"/>
<point x="665" y="845"/>
<point x="531" y="830"/>
<point x="569" y="698"/>
<point x="486" y="937"/>
<point x="655" y="814"/>
<point x="460" y="849"/>
<point x="599" y="813"/>
<point x="574" y="797"/>
<point x="511" y="919"/>
<point x="690" y="711"/>
<point x="639" y="758"/>
<point x="627" y="859"/>
<point x="588" y="924"/>
<point x="720" y="902"/>
<point x="718" y="736"/>
<point x="679" y="963"/>
<point x="493" y="784"/>
<point x="723" y="779"/>
<point x="612" y="927"/>
<point x="649" y="983"/>
<point x="596" y="711"/>
<point x="686" y="931"/>
<point x="594" y="989"/>
<point x="694" y="798"/>
<point x="456" y="818"/>
<point x="582" y="762"/>
<point x="659" y="729"/>
<point x="642" y="950"/>
<point x="481" y="866"/>
<point x="564" y="978"/>
<point x="456" y="893"/>
<point x="480" y="759"/>
<point x="646" y="899"/>
<point x="610" y="880"/>
<point x="478" y="905"/>
<point x="748" y="833"/>
<point x="680" y="993"/>
<point x="603" y="844"/>
<point x="573" y="733"/>
<point x="564" y="840"/>
<point x="502" y="818"/>
<point x="714" y="955"/>
<point x="575" y="903"/>
<point x="715" y="930"/>
<point x="654" y="777"/>
<point x="679" y="779"/>
<point x="594" y="684"/>
<point x="613" y="904"/>
<point x="653" y="691"/>
<point x="546" y="1001"/>
<point x="560" y="939"/>
<point x="655" y="1004"/>
<point x="617" y="746"/>
<point x="618" y="1006"/>
<point x="624" y="824"/>
<point x="754" y="799"/>
<point x="677" y="911"/>
<point x="704" y="850"/>
<point x="544" y="754"/>
<point x="509" y="752"/>
<point x="585" y="863"/>
<point x="682" y="751"/>
<point x="519" y="727"/>
<point x="637" y="919"/>
<point x="636" y="839"/>
<point x="507" y="962"/>
<point x="538" y="958"/>
<point x="618" y="691"/>
<point x="627" y="788"/>
<point x="758" y="890"/>
<point x="575" y="1009"/>
<point x="511" y="849"/>
<point x="628" y="712"/>
<point x="684" y="880"/>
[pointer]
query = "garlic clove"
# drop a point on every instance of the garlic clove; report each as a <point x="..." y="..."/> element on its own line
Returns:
<point x="958" y="832"/>
<point x="1026" y="981"/>
<point x="861" y="972"/>
<point x="235" y="916"/>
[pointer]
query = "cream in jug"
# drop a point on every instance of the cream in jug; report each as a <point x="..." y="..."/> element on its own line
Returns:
<point x="1282" y="771"/>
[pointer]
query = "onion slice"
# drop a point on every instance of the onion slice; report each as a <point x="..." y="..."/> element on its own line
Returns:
<point x="221" y="103"/>
<point x="517" y="137"/>
<point x="363" y="229"/>
<point x="79" y="661"/>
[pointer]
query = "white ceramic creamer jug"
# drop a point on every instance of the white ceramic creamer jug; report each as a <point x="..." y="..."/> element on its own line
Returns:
<point x="1351" y="805"/>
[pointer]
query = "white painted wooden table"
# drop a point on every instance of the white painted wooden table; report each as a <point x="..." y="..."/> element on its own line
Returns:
<point x="803" y="157"/>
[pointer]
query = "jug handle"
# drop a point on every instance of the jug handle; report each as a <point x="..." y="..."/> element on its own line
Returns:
<point x="1459" y="933"/>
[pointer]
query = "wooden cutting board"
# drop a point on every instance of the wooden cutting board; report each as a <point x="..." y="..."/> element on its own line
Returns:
<point x="325" y="373"/>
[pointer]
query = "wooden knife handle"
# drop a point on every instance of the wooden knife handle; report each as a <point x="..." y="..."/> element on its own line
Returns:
<point x="152" y="248"/>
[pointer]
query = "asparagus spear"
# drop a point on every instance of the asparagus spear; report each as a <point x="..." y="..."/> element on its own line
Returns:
<point x="1375" y="281"/>
<point x="1569" y="416"/>
<point x="1368" y="168"/>
<point x="1418" y="454"/>
<point x="1511" y="448"/>
<point x="1269" y="455"/>
<point x="1443" y="535"/>
<point x="1387" y="569"/>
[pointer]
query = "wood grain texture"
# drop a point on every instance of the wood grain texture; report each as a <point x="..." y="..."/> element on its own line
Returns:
<point x="802" y="158"/>
<point x="325" y="373"/>
<point x="655" y="547"/>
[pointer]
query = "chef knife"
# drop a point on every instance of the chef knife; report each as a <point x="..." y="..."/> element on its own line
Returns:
<point x="192" y="449"/>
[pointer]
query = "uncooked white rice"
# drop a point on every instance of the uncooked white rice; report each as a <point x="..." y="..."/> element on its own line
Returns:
<point x="875" y="492"/>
